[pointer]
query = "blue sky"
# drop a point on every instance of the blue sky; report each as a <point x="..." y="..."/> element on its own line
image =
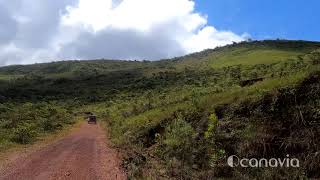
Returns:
<point x="265" y="19"/>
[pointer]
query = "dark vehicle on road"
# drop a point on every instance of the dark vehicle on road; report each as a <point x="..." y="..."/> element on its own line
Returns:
<point x="92" y="119"/>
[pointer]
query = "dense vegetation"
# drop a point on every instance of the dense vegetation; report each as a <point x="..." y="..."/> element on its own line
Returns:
<point x="181" y="118"/>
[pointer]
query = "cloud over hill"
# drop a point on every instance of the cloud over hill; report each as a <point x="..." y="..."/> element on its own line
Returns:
<point x="43" y="30"/>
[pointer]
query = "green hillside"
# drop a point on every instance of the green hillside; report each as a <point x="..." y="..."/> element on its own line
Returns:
<point x="181" y="118"/>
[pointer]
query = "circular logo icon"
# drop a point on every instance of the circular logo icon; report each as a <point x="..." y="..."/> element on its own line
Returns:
<point x="233" y="161"/>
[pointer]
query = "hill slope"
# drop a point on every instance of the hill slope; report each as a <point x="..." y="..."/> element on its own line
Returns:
<point x="181" y="117"/>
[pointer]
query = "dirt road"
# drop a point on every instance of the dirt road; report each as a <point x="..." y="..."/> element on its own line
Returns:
<point x="83" y="154"/>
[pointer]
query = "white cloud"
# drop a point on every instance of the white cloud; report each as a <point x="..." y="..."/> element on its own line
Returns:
<point x="209" y="37"/>
<point x="131" y="14"/>
<point x="117" y="29"/>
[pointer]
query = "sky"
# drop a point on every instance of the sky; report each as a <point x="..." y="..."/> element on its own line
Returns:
<point x="265" y="19"/>
<point x="35" y="31"/>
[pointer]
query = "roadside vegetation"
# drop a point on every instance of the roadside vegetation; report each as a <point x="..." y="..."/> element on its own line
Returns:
<point x="181" y="118"/>
<point x="23" y="123"/>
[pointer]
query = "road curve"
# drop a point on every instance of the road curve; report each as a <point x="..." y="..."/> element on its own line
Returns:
<point x="85" y="154"/>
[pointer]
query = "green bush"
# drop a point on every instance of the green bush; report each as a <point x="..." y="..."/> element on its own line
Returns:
<point x="178" y="140"/>
<point x="315" y="57"/>
<point x="212" y="124"/>
<point x="24" y="134"/>
<point x="23" y="122"/>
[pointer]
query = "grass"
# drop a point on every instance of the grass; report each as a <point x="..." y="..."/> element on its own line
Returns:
<point x="246" y="56"/>
<point x="128" y="129"/>
<point x="9" y="77"/>
<point x="256" y="91"/>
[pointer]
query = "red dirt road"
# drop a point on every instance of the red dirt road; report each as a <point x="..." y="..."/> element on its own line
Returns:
<point x="83" y="155"/>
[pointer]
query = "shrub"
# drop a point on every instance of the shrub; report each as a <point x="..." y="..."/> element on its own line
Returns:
<point x="25" y="121"/>
<point x="50" y="125"/>
<point x="178" y="140"/>
<point x="315" y="57"/>
<point x="212" y="124"/>
<point x="24" y="134"/>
